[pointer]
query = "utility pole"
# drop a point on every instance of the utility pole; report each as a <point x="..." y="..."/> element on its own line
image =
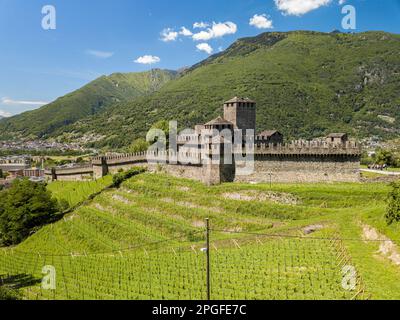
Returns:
<point x="208" y="258"/>
<point x="270" y="179"/>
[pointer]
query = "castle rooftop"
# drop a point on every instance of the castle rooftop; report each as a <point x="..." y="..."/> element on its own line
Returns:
<point x="239" y="99"/>
<point x="337" y="135"/>
<point x="268" y="133"/>
<point x="219" y="121"/>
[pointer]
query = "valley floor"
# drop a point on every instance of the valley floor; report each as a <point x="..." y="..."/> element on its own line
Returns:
<point x="146" y="240"/>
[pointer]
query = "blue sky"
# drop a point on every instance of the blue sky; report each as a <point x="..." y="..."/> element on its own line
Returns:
<point x="96" y="37"/>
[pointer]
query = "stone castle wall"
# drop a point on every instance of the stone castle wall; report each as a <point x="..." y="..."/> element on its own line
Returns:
<point x="240" y="115"/>
<point x="303" y="169"/>
<point x="295" y="162"/>
<point x="179" y="171"/>
<point x="81" y="173"/>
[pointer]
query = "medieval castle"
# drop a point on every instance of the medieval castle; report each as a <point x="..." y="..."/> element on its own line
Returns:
<point x="201" y="154"/>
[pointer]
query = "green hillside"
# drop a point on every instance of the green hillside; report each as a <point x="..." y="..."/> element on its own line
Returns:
<point x="306" y="84"/>
<point x="87" y="101"/>
<point x="144" y="241"/>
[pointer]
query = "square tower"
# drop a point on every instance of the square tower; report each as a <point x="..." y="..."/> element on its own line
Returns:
<point x="241" y="112"/>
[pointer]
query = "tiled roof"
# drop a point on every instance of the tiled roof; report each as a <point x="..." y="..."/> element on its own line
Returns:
<point x="219" y="121"/>
<point x="268" y="133"/>
<point x="337" y="135"/>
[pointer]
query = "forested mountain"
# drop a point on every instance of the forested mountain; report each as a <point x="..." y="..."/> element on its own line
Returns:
<point x="87" y="101"/>
<point x="306" y="84"/>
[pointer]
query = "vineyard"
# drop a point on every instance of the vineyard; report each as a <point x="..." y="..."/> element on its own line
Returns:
<point x="146" y="240"/>
<point x="268" y="269"/>
<point x="75" y="192"/>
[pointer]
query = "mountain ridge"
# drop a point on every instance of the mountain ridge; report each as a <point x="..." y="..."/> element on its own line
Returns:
<point x="306" y="84"/>
<point x="90" y="99"/>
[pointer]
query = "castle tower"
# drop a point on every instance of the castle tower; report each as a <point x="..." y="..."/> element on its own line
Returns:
<point x="241" y="112"/>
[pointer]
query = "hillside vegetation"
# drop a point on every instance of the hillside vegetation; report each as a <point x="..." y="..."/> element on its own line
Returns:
<point x="87" y="101"/>
<point x="306" y="84"/>
<point x="145" y="239"/>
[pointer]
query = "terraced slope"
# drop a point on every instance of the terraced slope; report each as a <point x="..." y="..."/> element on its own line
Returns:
<point x="145" y="240"/>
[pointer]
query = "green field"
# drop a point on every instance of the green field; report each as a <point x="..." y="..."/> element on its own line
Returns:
<point x="145" y="240"/>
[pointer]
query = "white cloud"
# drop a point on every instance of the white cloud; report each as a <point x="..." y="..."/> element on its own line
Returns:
<point x="205" y="47"/>
<point x="147" y="59"/>
<point x="202" y="36"/>
<point x="100" y="54"/>
<point x="261" y="22"/>
<point x="299" y="7"/>
<point x="185" y="32"/>
<point x="168" y="35"/>
<point x="4" y="114"/>
<point x="200" y="25"/>
<point x="342" y="2"/>
<point x="217" y="30"/>
<point x="11" y="102"/>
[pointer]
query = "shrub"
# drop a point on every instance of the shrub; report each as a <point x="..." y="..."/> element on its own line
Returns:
<point x="8" y="294"/>
<point x="122" y="176"/>
<point x="393" y="211"/>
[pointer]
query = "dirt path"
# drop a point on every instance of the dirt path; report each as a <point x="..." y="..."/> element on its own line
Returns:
<point x="386" y="173"/>
<point x="387" y="248"/>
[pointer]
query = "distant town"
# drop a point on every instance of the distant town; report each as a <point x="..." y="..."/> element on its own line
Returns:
<point x="40" y="146"/>
<point x="29" y="159"/>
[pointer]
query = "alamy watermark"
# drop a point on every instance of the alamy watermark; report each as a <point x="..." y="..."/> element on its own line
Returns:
<point x="49" y="21"/>
<point x="349" y="280"/>
<point x="49" y="279"/>
<point x="349" y="21"/>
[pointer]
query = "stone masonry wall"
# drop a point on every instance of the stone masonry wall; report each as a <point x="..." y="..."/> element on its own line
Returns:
<point x="290" y="168"/>
<point x="180" y="171"/>
<point x="301" y="169"/>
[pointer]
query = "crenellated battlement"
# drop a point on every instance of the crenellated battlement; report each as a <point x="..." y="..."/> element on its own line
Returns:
<point x="301" y="147"/>
<point x="129" y="157"/>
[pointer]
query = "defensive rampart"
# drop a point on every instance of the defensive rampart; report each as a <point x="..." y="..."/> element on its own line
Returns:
<point x="298" y="161"/>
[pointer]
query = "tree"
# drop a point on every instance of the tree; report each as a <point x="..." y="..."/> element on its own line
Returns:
<point x="385" y="157"/>
<point x="162" y="125"/>
<point x="24" y="208"/>
<point x="139" y="145"/>
<point x="1" y="174"/>
<point x="393" y="211"/>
